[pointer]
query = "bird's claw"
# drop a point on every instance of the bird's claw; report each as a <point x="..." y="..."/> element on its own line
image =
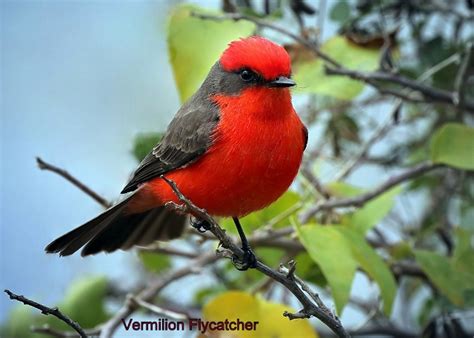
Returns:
<point x="200" y="225"/>
<point x="247" y="261"/>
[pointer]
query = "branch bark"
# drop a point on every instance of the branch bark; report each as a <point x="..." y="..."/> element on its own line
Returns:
<point x="64" y="174"/>
<point x="310" y="308"/>
<point x="359" y="201"/>
<point x="48" y="311"/>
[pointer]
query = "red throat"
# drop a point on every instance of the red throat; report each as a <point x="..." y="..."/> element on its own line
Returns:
<point x="256" y="153"/>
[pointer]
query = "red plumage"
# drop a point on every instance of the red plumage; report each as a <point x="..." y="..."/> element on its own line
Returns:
<point x="259" y="54"/>
<point x="233" y="148"/>
<point x="257" y="146"/>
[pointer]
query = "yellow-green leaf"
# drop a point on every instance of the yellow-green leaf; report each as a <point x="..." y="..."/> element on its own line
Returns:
<point x="373" y="264"/>
<point x="235" y="305"/>
<point x="311" y="78"/>
<point x="453" y="144"/>
<point x="444" y="275"/>
<point x="372" y="212"/>
<point x="329" y="249"/>
<point x="279" y="212"/>
<point x="194" y="45"/>
<point x="84" y="301"/>
<point x="154" y="262"/>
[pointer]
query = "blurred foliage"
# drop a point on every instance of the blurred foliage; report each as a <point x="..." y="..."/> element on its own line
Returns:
<point x="154" y="262"/>
<point x="233" y="305"/>
<point x="453" y="144"/>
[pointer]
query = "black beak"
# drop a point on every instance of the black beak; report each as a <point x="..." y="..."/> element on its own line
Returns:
<point x="282" y="81"/>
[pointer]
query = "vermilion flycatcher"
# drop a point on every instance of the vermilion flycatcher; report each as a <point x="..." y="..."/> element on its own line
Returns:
<point x="234" y="147"/>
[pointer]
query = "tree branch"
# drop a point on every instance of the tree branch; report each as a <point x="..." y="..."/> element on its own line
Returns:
<point x="48" y="311"/>
<point x="310" y="308"/>
<point x="64" y="174"/>
<point x="462" y="76"/>
<point x="359" y="201"/>
<point x="427" y="92"/>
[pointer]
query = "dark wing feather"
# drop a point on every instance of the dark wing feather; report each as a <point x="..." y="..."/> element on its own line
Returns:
<point x="188" y="137"/>
<point x="305" y="136"/>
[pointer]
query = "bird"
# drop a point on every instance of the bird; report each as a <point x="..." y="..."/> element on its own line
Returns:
<point x="233" y="148"/>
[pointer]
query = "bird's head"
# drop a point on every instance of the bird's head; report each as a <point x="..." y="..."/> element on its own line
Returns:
<point x="256" y="61"/>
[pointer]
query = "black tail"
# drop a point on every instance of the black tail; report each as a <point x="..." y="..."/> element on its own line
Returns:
<point x="114" y="229"/>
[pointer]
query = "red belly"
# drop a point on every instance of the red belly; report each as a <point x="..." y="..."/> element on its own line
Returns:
<point x="252" y="162"/>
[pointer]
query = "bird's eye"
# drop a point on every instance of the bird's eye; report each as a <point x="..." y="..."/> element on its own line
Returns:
<point x="247" y="75"/>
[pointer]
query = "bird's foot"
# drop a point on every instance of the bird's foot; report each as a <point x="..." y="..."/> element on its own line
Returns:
<point x="200" y="225"/>
<point x="247" y="261"/>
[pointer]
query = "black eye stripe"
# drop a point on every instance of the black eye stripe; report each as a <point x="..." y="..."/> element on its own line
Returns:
<point x="249" y="76"/>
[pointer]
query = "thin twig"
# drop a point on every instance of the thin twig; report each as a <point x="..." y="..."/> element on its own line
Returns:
<point x="64" y="174"/>
<point x="167" y="250"/>
<point x="379" y="133"/>
<point x="159" y="310"/>
<point x="48" y="311"/>
<point x="48" y="330"/>
<point x="462" y="76"/>
<point x="155" y="286"/>
<point x="315" y="183"/>
<point x="360" y="200"/>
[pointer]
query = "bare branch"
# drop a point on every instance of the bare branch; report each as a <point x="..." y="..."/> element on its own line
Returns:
<point x="462" y="76"/>
<point x="167" y="250"/>
<point x="309" y="307"/>
<point x="159" y="310"/>
<point x="359" y="201"/>
<point x="48" y="311"/>
<point x="429" y="94"/>
<point x="306" y="171"/>
<point x="48" y="330"/>
<point x="64" y="174"/>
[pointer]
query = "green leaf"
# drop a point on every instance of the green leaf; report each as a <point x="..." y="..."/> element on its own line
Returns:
<point x="340" y="11"/>
<point x="154" y="262"/>
<point x="339" y="250"/>
<point x="400" y="250"/>
<point x="144" y="143"/>
<point x="308" y="270"/>
<point x="453" y="144"/>
<point x="372" y="212"/>
<point x="311" y="78"/>
<point x="444" y="275"/>
<point x="194" y="45"/>
<point x="329" y="249"/>
<point x="19" y="321"/>
<point x="279" y="211"/>
<point x="373" y="264"/>
<point x="84" y="302"/>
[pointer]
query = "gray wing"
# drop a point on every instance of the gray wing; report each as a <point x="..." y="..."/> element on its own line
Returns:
<point x="188" y="137"/>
